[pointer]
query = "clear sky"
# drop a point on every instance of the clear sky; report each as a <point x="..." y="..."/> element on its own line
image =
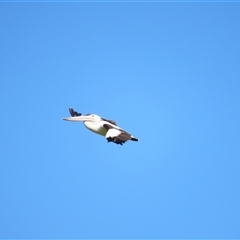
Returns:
<point x="167" y="72"/>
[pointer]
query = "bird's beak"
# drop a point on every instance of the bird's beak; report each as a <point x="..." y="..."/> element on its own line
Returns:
<point x="79" y="119"/>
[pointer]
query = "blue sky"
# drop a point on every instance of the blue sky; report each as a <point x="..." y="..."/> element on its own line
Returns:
<point x="166" y="72"/>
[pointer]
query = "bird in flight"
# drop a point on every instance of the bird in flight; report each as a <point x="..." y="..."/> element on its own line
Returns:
<point x="101" y="126"/>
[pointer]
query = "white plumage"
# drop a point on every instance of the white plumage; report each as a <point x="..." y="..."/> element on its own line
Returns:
<point x="113" y="133"/>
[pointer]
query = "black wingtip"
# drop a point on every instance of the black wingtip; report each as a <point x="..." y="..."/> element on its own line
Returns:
<point x="74" y="113"/>
<point x="71" y="112"/>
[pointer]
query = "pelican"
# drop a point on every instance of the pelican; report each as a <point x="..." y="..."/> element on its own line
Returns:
<point x="101" y="126"/>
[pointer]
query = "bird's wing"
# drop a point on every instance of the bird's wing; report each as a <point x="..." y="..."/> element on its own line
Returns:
<point x="110" y="121"/>
<point x="74" y="113"/>
<point x="116" y="135"/>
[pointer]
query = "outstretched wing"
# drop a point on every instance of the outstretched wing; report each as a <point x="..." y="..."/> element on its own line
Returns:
<point x="117" y="136"/>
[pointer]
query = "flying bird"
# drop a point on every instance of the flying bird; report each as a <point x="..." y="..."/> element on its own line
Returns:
<point x="101" y="126"/>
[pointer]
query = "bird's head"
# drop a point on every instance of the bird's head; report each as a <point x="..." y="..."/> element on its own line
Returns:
<point x="84" y="118"/>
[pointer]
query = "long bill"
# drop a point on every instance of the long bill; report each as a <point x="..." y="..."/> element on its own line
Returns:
<point x="79" y="119"/>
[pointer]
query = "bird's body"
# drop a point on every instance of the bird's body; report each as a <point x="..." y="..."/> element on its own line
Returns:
<point x="97" y="128"/>
<point x="102" y="126"/>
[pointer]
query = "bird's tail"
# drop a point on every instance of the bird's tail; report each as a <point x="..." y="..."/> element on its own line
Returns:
<point x="134" y="139"/>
